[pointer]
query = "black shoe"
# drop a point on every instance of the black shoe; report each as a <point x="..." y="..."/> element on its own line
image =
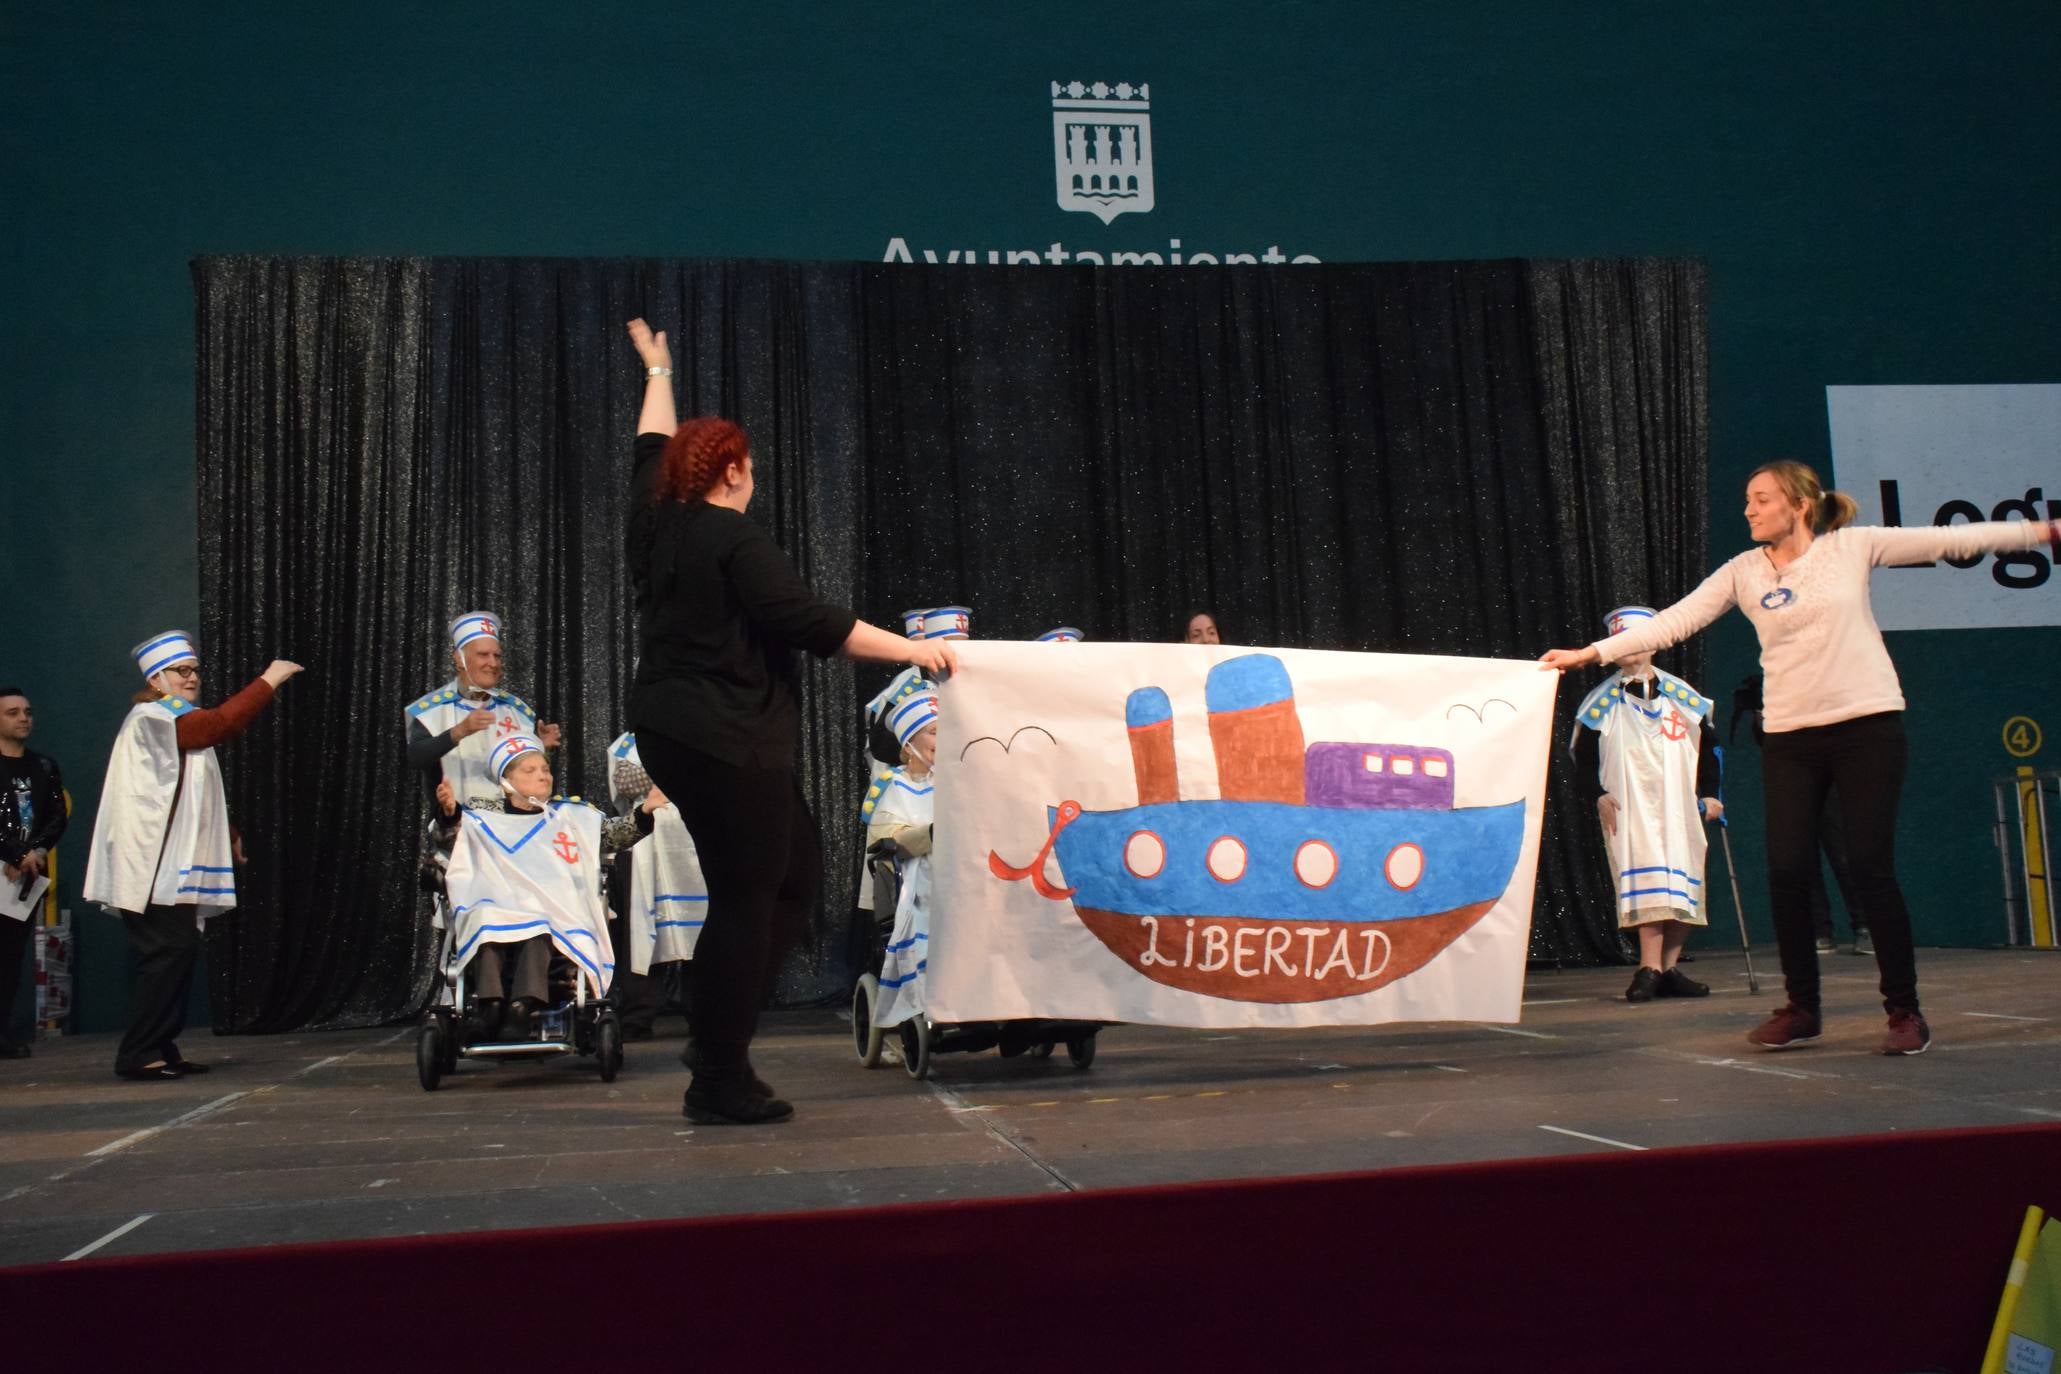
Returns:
<point x="483" y="1021"/>
<point x="738" y="1105"/>
<point x="162" y="1073"/>
<point x="1863" y="943"/>
<point x="518" y="1023"/>
<point x="187" y="1066"/>
<point x="1675" y="983"/>
<point x="692" y="1059"/>
<point x="1645" y="983"/>
<point x="14" y="1050"/>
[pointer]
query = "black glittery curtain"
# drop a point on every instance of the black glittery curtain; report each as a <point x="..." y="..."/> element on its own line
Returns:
<point x="1472" y="458"/>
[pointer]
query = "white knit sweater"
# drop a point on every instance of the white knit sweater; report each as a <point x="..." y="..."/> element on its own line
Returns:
<point x="1820" y="648"/>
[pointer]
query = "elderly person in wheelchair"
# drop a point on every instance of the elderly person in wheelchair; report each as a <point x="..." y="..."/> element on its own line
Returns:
<point x="523" y="882"/>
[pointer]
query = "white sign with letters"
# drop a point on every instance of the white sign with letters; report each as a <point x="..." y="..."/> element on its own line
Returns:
<point x="1952" y="455"/>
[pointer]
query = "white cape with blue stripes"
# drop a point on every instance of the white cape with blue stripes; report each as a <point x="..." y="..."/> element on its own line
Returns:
<point x="908" y="948"/>
<point x="1647" y="761"/>
<point x="668" y="895"/>
<point x="162" y="836"/>
<point x="516" y="875"/>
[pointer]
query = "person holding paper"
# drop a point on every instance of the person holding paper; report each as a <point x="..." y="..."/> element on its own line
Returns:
<point x="32" y="817"/>
<point x="1834" y="714"/>
<point x="716" y="709"/>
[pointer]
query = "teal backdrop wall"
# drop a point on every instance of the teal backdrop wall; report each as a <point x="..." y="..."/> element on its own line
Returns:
<point x="1875" y="187"/>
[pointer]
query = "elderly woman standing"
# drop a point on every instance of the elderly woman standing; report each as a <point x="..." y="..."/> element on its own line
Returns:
<point x="717" y="714"/>
<point x="1834" y="713"/>
<point x="163" y="854"/>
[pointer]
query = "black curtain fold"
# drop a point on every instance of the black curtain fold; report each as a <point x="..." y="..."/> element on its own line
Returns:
<point x="1472" y="458"/>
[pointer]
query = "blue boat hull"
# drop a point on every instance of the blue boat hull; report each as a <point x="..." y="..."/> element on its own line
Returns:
<point x="1467" y="857"/>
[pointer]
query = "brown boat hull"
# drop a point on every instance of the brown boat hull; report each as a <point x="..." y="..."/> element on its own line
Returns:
<point x="1244" y="959"/>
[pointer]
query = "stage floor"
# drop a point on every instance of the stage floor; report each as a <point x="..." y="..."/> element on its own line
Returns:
<point x="317" y="1137"/>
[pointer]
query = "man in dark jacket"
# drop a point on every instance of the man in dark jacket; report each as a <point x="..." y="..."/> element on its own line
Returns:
<point x="32" y="817"/>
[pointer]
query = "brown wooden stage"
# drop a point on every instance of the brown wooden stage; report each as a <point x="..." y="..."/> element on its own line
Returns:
<point x="320" y="1137"/>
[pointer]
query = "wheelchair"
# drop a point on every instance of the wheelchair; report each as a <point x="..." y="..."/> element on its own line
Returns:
<point x="575" y="1022"/>
<point x="921" y="1039"/>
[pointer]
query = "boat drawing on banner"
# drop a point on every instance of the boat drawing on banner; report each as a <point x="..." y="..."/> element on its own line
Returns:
<point x="1322" y="872"/>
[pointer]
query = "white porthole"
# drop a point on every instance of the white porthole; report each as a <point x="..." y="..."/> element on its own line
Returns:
<point x="1227" y="860"/>
<point x="1405" y="865"/>
<point x="1316" y="863"/>
<point x="1144" y="854"/>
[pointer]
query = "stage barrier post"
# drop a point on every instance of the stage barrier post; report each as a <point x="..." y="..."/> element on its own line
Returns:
<point x="2039" y="911"/>
<point x="2001" y="834"/>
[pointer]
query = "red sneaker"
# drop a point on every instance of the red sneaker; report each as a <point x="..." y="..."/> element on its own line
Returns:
<point x="1908" y="1034"/>
<point x="1786" y="1029"/>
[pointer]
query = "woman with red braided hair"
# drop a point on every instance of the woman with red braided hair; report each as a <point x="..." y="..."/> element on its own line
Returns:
<point x="716" y="711"/>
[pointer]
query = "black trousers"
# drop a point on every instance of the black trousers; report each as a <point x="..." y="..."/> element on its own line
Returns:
<point x="165" y="942"/>
<point x="1862" y="763"/>
<point x="1832" y="831"/>
<point x="15" y="938"/>
<point x="763" y="859"/>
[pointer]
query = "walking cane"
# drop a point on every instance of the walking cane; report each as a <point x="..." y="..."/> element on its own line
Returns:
<point x="1732" y="872"/>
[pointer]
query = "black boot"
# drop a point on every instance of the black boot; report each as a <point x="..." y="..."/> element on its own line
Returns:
<point x="731" y="1102"/>
<point x="1675" y="983"/>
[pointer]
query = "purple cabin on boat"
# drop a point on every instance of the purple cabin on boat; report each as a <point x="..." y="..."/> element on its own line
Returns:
<point x="1407" y="777"/>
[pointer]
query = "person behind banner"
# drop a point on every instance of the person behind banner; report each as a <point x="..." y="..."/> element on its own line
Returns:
<point x="901" y="821"/>
<point x="508" y="877"/>
<point x="452" y="731"/>
<point x="1834" y="714"/>
<point x="1200" y="628"/>
<point x="33" y="816"/>
<point x="163" y="855"/>
<point x="657" y="890"/>
<point x="717" y="711"/>
<point x="1646" y="757"/>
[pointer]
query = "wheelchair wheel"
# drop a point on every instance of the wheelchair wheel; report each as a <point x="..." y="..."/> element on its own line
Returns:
<point x="608" y="1045"/>
<point x="429" y="1054"/>
<point x="447" y="1028"/>
<point x="916" y="1046"/>
<point x="1042" y="1050"/>
<point x="1080" y="1051"/>
<point x="867" y="1038"/>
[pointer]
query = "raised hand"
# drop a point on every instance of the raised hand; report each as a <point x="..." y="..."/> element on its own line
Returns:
<point x="278" y="671"/>
<point x="549" y="735"/>
<point x="447" y="797"/>
<point x="475" y="719"/>
<point x="652" y="348"/>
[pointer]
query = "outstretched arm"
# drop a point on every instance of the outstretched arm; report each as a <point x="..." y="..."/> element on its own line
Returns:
<point x="1930" y="543"/>
<point x="658" y="415"/>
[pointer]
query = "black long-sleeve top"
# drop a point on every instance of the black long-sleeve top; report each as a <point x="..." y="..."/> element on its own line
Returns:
<point x="721" y="613"/>
<point x="37" y="775"/>
<point x="1588" y="753"/>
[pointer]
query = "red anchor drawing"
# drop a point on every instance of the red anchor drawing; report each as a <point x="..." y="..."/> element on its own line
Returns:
<point x="1674" y="727"/>
<point x="1069" y="812"/>
<point x="567" y="847"/>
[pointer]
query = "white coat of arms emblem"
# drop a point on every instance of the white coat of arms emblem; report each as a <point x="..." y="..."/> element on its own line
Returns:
<point x="1102" y="148"/>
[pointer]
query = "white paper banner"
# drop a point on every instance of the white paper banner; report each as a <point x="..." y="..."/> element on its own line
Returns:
<point x="1213" y="836"/>
<point x="1938" y="455"/>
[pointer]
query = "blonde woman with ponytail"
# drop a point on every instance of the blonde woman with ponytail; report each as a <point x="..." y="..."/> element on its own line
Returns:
<point x="1834" y="713"/>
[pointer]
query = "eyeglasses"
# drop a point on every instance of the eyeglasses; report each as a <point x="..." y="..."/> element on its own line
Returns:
<point x="184" y="670"/>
